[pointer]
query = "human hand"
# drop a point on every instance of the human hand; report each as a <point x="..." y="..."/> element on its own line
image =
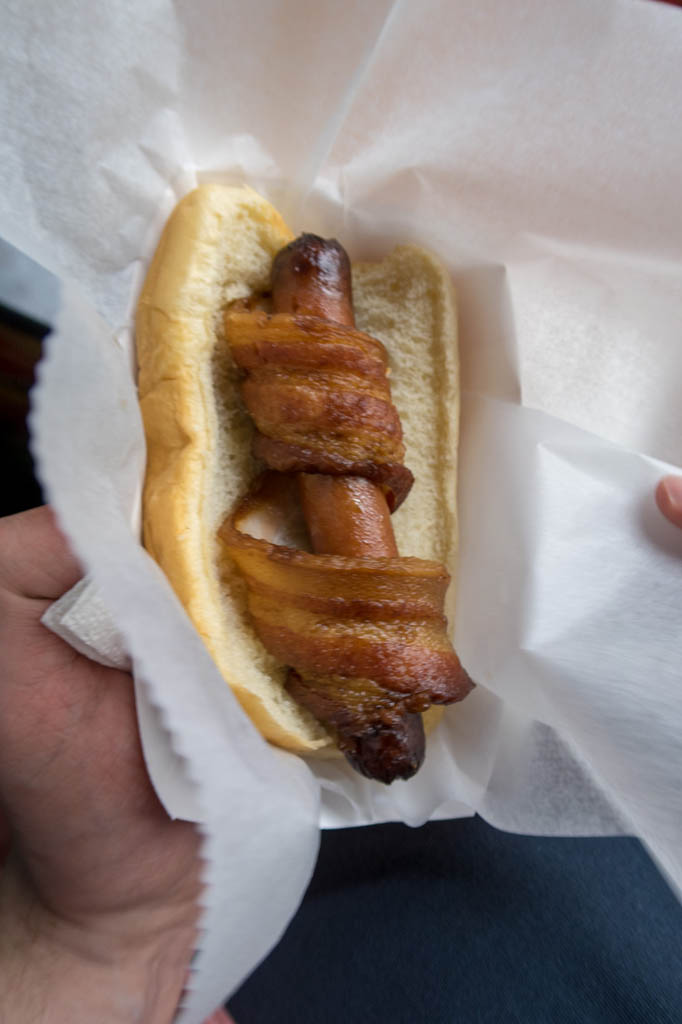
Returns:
<point x="669" y="498"/>
<point x="98" y="892"/>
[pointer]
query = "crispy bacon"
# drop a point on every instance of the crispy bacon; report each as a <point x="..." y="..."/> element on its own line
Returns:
<point x="365" y="637"/>
<point x="319" y="396"/>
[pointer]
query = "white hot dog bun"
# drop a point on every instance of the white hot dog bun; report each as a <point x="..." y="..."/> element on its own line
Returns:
<point x="217" y="247"/>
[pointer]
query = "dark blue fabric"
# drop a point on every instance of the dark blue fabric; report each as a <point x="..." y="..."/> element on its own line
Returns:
<point x="458" y="922"/>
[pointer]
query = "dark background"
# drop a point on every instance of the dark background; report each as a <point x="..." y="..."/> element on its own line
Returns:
<point x="20" y="347"/>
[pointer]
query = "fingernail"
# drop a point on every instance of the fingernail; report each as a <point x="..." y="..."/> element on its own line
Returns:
<point x="671" y="487"/>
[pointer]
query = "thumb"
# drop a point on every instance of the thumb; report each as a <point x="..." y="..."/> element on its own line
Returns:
<point x="36" y="567"/>
<point x="35" y="560"/>
<point x="669" y="499"/>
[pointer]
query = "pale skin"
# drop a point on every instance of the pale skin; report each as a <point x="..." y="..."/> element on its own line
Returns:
<point x="98" y="893"/>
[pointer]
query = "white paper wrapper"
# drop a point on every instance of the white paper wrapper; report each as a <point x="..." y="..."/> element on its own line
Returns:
<point x="536" y="147"/>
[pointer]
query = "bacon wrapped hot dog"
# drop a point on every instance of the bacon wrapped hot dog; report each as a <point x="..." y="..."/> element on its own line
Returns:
<point x="318" y="392"/>
<point x="357" y="632"/>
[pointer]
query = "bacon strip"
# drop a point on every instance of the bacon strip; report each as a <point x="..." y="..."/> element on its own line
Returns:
<point x="319" y="396"/>
<point x="365" y="637"/>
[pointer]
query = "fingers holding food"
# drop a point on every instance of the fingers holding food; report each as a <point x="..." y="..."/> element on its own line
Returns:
<point x="669" y="498"/>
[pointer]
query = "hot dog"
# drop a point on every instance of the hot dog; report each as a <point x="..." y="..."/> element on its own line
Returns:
<point x="225" y="249"/>
<point x="345" y="515"/>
